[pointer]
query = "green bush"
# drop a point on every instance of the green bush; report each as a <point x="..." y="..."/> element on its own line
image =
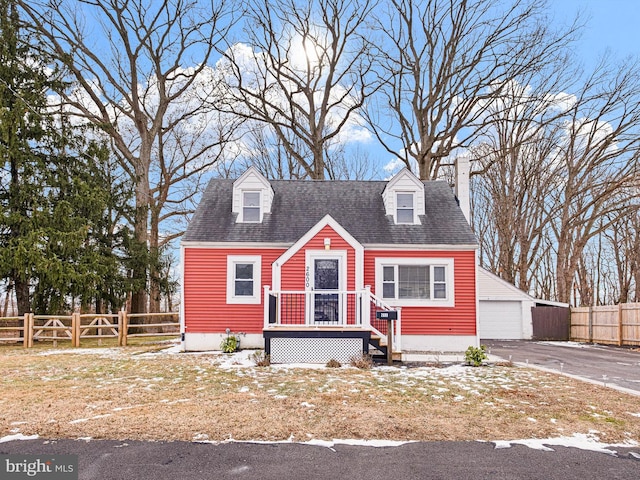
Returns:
<point x="475" y="356"/>
<point x="230" y="344"/>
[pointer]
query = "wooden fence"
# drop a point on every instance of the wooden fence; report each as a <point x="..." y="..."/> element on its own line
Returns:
<point x="614" y="325"/>
<point x="73" y="328"/>
<point x="550" y="323"/>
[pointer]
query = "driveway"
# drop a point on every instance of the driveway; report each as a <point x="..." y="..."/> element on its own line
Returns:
<point x="612" y="366"/>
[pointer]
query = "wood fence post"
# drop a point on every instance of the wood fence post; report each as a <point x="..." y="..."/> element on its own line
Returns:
<point x="31" y="326"/>
<point x="25" y="331"/>
<point x="75" y="329"/>
<point x="125" y="327"/>
<point x="79" y="327"/>
<point x="590" y="339"/>
<point x="620" y="332"/>
<point x="120" y="328"/>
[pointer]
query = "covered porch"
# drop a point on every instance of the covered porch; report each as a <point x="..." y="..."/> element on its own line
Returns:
<point x="317" y="326"/>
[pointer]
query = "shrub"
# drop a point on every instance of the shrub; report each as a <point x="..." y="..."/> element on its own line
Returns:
<point x="363" y="362"/>
<point x="260" y="359"/>
<point x="230" y="344"/>
<point x="475" y="356"/>
<point x="333" y="363"/>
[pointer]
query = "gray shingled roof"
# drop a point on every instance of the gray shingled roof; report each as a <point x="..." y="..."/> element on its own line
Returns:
<point x="356" y="205"/>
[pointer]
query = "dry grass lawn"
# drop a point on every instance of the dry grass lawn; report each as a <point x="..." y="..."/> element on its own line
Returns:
<point x="134" y="393"/>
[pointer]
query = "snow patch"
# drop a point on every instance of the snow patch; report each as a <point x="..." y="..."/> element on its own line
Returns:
<point x="330" y="444"/>
<point x="18" y="436"/>
<point x="566" y="344"/>
<point x="578" y="440"/>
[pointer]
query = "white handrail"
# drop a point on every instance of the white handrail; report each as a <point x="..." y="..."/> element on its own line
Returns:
<point x="363" y="301"/>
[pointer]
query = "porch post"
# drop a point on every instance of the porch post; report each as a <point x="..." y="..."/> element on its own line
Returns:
<point x="366" y="307"/>
<point x="309" y="307"/>
<point x="266" y="307"/>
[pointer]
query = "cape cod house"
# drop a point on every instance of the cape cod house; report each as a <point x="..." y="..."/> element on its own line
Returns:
<point x="303" y="268"/>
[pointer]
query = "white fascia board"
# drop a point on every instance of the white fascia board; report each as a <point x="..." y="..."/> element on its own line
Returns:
<point x="404" y="173"/>
<point x="223" y="245"/>
<point x="419" y="247"/>
<point x="551" y="303"/>
<point x="327" y="220"/>
<point x="516" y="290"/>
<point x="504" y="283"/>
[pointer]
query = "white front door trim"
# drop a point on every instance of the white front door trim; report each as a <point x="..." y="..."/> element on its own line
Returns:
<point x="309" y="279"/>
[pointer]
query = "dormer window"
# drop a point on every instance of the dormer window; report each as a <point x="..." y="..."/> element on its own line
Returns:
<point x="251" y="206"/>
<point x="252" y="197"/>
<point x="403" y="198"/>
<point x="404" y="208"/>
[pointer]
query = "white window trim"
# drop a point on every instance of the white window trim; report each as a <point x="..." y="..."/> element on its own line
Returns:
<point x="241" y="214"/>
<point x="414" y="196"/>
<point x="311" y="255"/>
<point x="232" y="260"/>
<point x="448" y="263"/>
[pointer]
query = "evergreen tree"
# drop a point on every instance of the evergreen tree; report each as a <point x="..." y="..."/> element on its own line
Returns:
<point x="60" y="243"/>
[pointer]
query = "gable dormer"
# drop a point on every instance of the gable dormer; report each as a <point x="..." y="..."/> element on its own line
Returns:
<point x="404" y="198"/>
<point x="252" y="197"/>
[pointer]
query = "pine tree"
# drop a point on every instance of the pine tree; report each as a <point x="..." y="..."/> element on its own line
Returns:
<point x="61" y="243"/>
<point x="21" y="102"/>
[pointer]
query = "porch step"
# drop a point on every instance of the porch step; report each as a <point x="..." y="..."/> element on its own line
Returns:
<point x="381" y="346"/>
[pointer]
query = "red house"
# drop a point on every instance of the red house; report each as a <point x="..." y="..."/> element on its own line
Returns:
<point x="301" y="268"/>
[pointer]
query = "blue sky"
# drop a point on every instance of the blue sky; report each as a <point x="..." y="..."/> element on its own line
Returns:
<point x="613" y="24"/>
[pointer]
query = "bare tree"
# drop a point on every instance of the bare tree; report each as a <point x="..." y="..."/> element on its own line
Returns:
<point x="304" y="71"/>
<point x="442" y="60"/>
<point x="140" y="72"/>
<point x="621" y="254"/>
<point x="599" y="158"/>
<point x="514" y="172"/>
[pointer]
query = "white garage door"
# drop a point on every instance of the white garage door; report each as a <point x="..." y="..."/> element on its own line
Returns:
<point x="500" y="320"/>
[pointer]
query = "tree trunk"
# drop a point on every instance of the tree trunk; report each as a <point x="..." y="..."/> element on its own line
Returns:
<point x="23" y="299"/>
<point x="140" y="265"/>
<point x="154" y="263"/>
<point x="318" y="162"/>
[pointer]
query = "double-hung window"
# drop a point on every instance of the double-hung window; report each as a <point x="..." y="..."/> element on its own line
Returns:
<point x="243" y="278"/>
<point x="251" y="207"/>
<point x="419" y="281"/>
<point x="404" y="210"/>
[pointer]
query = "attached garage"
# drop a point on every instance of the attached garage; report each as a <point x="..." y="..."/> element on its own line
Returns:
<point x="504" y="311"/>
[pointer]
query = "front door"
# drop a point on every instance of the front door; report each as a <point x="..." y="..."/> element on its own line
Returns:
<point x="326" y="285"/>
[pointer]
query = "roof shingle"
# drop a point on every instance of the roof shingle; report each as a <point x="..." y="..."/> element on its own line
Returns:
<point x="356" y="205"/>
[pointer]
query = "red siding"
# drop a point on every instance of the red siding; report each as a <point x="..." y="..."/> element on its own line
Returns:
<point x="205" y="291"/>
<point x="458" y="320"/>
<point x="292" y="272"/>
<point x="205" y="288"/>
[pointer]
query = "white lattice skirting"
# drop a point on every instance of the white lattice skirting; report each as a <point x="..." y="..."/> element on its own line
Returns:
<point x="314" y="350"/>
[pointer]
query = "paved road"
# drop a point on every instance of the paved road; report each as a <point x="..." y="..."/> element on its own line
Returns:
<point x="604" y="364"/>
<point x="111" y="460"/>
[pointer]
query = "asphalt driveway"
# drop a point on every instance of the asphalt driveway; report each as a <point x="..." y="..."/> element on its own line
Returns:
<point x="613" y="366"/>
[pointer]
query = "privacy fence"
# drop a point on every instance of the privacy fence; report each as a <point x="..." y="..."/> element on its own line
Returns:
<point x="74" y="328"/>
<point x="614" y="325"/>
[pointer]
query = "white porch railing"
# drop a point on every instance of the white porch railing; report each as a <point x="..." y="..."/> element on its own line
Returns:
<point x="329" y="308"/>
